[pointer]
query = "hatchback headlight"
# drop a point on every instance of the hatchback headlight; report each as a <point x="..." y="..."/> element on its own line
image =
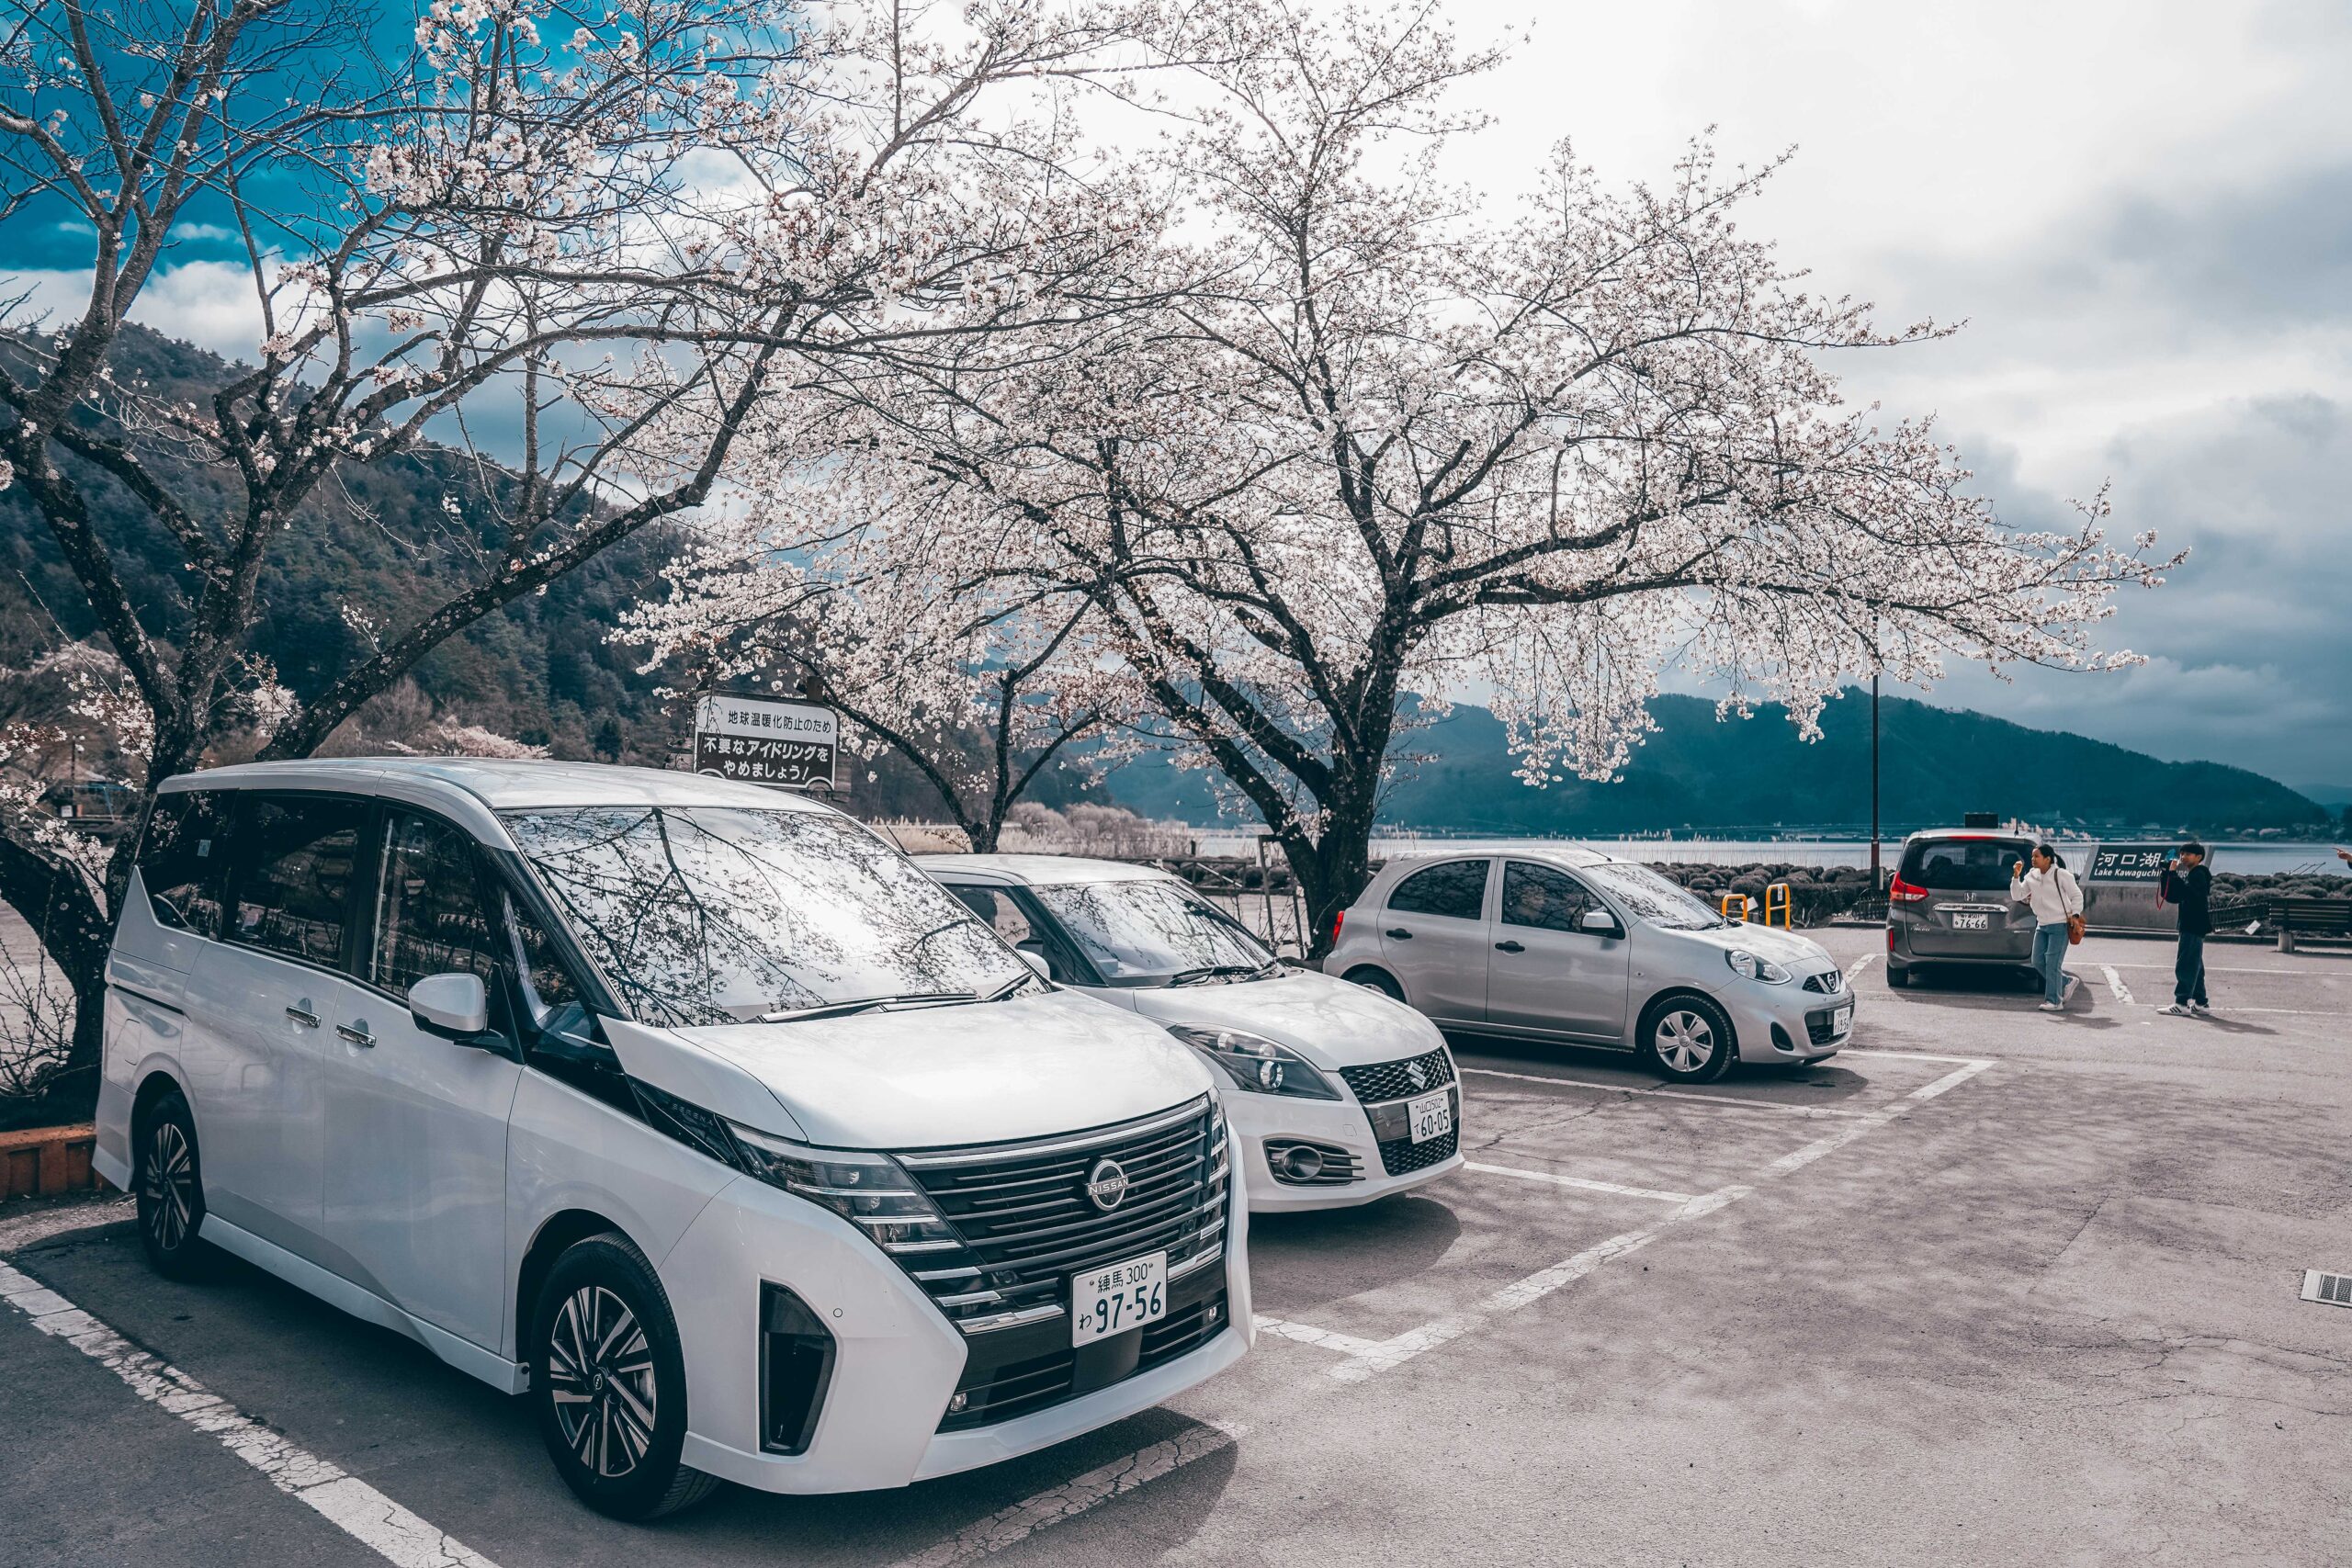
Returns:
<point x="871" y="1191"/>
<point x="1257" y="1064"/>
<point x="1756" y="968"/>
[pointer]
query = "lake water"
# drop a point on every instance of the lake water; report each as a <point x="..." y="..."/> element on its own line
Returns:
<point x="2247" y="859"/>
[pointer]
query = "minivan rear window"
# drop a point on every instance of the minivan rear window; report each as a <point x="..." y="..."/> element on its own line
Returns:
<point x="181" y="861"/>
<point x="1962" y="865"/>
<point x="711" y="915"/>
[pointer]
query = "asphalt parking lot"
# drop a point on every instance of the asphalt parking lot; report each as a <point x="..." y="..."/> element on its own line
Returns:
<point x="1988" y="1287"/>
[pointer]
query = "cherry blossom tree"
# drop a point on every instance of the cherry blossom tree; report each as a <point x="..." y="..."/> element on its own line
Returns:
<point x="849" y="582"/>
<point x="574" y="250"/>
<point x="1389" y="446"/>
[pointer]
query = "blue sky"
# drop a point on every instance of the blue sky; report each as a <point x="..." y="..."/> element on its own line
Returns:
<point x="2143" y="209"/>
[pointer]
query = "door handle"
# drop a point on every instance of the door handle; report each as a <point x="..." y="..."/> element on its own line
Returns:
<point x="300" y="1013"/>
<point x="1399" y="932"/>
<point x="356" y="1033"/>
<point x="1509" y="947"/>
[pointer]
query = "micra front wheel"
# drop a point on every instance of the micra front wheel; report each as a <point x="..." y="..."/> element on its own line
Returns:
<point x="1688" y="1039"/>
<point x="610" y="1385"/>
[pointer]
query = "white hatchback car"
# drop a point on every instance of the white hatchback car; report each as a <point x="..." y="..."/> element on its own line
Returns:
<point x="1562" y="943"/>
<point x="691" y="1107"/>
<point x="1338" y="1097"/>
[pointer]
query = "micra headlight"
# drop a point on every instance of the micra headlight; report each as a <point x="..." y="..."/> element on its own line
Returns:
<point x="1257" y="1064"/>
<point x="1755" y="968"/>
<point x="871" y="1191"/>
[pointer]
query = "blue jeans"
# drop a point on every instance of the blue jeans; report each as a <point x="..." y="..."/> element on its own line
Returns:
<point x="2050" y="958"/>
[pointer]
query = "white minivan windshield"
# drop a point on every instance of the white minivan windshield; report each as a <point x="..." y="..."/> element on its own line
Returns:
<point x="707" y="915"/>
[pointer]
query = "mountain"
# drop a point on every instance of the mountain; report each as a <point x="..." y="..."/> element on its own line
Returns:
<point x="1697" y="774"/>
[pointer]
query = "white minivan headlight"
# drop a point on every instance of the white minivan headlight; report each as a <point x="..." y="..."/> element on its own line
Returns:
<point x="1755" y="967"/>
<point x="1257" y="1064"/>
<point x="871" y="1191"/>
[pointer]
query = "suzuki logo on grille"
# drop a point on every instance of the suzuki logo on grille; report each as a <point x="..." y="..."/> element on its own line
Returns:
<point x="1419" y="1074"/>
<point x="1107" y="1184"/>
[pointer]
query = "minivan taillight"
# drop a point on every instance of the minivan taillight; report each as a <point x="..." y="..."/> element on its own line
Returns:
<point x="1902" y="892"/>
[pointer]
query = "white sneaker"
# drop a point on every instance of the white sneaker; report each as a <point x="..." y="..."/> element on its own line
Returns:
<point x="2052" y="1006"/>
<point x="2175" y="1010"/>
<point x="2199" y="1010"/>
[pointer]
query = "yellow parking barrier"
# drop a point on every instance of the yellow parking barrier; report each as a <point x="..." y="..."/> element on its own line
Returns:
<point x="1787" y="923"/>
<point x="1724" y="908"/>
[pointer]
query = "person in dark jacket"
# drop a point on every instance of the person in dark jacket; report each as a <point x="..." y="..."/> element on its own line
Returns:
<point x="2188" y="884"/>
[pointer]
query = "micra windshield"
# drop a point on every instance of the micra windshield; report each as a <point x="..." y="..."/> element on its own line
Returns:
<point x="707" y="915"/>
<point x="1647" y="895"/>
<point x="1152" y="931"/>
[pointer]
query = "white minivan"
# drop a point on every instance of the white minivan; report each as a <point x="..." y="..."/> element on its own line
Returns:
<point x="689" y="1107"/>
<point x="1338" y="1096"/>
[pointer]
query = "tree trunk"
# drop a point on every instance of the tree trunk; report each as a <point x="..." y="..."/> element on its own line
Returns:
<point x="1335" y="870"/>
<point x="70" y="924"/>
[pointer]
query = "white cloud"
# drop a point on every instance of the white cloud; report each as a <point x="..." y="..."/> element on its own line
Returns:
<point x="209" y="304"/>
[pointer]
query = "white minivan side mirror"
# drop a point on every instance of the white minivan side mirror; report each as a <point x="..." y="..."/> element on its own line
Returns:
<point x="1601" y="922"/>
<point x="453" y="1006"/>
<point x="1036" y="961"/>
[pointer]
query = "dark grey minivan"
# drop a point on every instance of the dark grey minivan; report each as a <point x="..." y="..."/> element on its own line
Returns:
<point x="1949" y="905"/>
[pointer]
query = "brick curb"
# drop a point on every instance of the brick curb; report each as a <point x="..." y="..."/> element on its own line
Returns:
<point x="41" y="1162"/>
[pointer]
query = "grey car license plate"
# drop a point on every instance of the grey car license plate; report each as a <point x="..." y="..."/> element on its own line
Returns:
<point x="1972" y="922"/>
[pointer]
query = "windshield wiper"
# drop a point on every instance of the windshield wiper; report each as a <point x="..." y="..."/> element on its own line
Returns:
<point x="1212" y="971"/>
<point x="867" y="1004"/>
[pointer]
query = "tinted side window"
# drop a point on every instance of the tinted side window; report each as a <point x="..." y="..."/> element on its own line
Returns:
<point x="183" y="858"/>
<point x="1540" y="897"/>
<point x="1457" y="888"/>
<point x="999" y="910"/>
<point x="294" y="891"/>
<point x="547" y="985"/>
<point x="429" y="916"/>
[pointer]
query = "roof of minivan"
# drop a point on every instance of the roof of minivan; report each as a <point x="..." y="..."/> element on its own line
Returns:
<point x="500" y="785"/>
<point x="1039" y="870"/>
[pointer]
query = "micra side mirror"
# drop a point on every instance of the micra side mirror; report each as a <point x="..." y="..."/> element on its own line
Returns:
<point x="1600" y="922"/>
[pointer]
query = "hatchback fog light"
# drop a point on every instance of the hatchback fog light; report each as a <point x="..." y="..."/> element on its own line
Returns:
<point x="957" y="1402"/>
<point x="1303" y="1163"/>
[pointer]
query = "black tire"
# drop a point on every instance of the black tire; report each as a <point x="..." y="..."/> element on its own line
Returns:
<point x="1688" y="1038"/>
<point x="168" y="1180"/>
<point x="1379" y="980"/>
<point x="1898" y="975"/>
<point x="605" y="1356"/>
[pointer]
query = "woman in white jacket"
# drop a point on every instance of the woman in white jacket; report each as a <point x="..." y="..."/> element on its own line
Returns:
<point x="2053" y="895"/>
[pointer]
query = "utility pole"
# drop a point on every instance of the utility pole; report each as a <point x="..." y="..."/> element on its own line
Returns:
<point x="1874" y="876"/>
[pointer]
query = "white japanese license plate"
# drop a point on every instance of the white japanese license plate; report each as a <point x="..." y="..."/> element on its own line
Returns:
<point x="1842" y="1019"/>
<point x="1110" y="1301"/>
<point x="1972" y="922"/>
<point x="1430" y="1115"/>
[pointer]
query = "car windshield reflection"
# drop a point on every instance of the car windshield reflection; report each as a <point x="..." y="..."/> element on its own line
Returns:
<point x="711" y="915"/>
<point x="1648" y="897"/>
<point x="1150" y="932"/>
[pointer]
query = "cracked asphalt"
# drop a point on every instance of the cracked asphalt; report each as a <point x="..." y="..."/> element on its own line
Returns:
<point x="2046" y="1313"/>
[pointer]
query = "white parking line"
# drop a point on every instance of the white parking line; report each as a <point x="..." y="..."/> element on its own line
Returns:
<point x="1649" y="1093"/>
<point x="2121" y="992"/>
<point x="1580" y="1182"/>
<point x="1392" y="1353"/>
<point x="1855" y="970"/>
<point x="1072" y="1498"/>
<point x="1307" y="1334"/>
<point x="345" y="1500"/>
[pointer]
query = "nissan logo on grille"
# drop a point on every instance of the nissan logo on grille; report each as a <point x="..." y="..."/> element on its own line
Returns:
<point x="1107" y="1184"/>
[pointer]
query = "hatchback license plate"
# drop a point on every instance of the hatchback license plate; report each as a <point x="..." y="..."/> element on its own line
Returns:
<point x="1110" y="1301"/>
<point x="1972" y="922"/>
<point x="1842" y="1019"/>
<point x="1431" y="1116"/>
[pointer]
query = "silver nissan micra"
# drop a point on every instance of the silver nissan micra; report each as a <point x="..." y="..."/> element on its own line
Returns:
<point x="1565" y="944"/>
